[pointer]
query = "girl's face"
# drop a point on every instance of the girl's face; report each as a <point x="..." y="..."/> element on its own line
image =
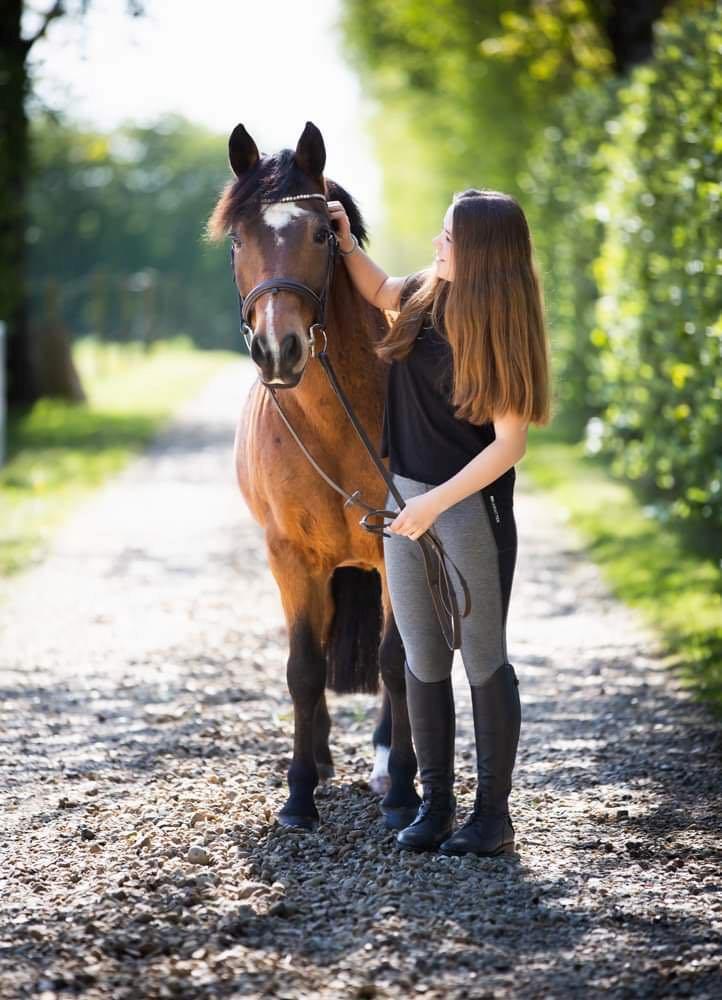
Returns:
<point x="444" y="247"/>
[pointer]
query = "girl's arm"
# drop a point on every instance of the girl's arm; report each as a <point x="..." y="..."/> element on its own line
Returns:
<point x="371" y="280"/>
<point x="508" y="447"/>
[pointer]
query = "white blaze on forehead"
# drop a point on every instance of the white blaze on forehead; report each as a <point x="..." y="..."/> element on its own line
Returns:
<point x="279" y="215"/>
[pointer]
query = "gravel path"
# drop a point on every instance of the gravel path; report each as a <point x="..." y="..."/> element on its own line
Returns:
<point x="146" y="731"/>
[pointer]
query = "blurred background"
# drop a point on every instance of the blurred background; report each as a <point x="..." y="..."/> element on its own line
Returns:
<point x="603" y="119"/>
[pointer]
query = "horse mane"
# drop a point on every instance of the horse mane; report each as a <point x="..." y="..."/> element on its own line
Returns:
<point x="274" y="176"/>
<point x="335" y="192"/>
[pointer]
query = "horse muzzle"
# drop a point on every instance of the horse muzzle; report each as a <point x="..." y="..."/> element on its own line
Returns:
<point x="282" y="363"/>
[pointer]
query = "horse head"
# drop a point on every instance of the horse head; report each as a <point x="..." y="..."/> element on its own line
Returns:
<point x="283" y="249"/>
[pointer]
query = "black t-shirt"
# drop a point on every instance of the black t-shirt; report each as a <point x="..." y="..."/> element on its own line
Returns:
<point x="421" y="437"/>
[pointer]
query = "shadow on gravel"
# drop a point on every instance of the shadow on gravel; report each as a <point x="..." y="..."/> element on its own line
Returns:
<point x="465" y="927"/>
<point x="308" y="905"/>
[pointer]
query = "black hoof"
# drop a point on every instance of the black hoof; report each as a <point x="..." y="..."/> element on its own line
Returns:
<point x="399" y="817"/>
<point x="299" y="822"/>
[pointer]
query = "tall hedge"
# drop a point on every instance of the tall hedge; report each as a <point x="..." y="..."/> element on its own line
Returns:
<point x="624" y="191"/>
<point x="659" y="324"/>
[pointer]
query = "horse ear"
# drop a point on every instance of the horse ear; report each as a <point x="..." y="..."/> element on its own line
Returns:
<point x="311" y="152"/>
<point x="242" y="151"/>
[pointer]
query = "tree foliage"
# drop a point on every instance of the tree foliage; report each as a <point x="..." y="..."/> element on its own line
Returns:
<point x="116" y="230"/>
<point x="463" y="88"/>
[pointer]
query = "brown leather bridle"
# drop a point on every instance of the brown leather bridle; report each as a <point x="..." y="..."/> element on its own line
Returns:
<point x="442" y="591"/>
<point x="274" y="285"/>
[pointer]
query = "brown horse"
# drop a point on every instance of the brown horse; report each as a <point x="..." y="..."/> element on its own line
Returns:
<point x="329" y="570"/>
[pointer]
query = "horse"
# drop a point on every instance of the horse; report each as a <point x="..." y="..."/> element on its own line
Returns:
<point x="329" y="571"/>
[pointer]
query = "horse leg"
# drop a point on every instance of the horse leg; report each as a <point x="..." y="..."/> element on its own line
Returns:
<point x="379" y="781"/>
<point x="306" y="676"/>
<point x="321" y="749"/>
<point x="401" y="802"/>
<point x="303" y="595"/>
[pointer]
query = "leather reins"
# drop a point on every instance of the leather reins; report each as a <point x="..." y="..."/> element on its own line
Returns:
<point x="435" y="557"/>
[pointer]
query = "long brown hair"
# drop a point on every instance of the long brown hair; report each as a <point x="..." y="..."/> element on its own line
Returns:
<point x="492" y="313"/>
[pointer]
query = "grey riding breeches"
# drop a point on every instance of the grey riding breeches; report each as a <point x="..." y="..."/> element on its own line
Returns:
<point x="479" y="534"/>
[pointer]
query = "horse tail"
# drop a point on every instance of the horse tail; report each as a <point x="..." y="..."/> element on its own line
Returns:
<point x="352" y="646"/>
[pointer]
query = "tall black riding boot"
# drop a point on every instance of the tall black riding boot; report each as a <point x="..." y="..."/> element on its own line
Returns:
<point x="433" y="728"/>
<point x="497" y="720"/>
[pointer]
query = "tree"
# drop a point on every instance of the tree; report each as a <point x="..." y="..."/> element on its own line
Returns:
<point x="24" y="384"/>
<point x="463" y="88"/>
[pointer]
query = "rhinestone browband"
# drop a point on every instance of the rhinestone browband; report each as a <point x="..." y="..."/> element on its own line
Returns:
<point x="291" y="197"/>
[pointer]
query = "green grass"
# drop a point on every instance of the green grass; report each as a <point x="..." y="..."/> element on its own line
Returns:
<point x="57" y="452"/>
<point x="672" y="576"/>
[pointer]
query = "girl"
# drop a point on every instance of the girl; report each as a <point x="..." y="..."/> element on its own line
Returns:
<point x="469" y="371"/>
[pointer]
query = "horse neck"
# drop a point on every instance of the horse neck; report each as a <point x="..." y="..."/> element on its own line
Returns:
<point x="353" y="326"/>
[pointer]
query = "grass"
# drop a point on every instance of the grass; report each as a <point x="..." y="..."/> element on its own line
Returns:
<point x="672" y="576"/>
<point x="57" y="452"/>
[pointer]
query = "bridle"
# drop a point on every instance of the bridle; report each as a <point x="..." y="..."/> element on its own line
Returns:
<point x="442" y="591"/>
<point x="274" y="285"/>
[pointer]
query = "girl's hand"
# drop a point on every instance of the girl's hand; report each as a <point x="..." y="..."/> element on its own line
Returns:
<point x="419" y="514"/>
<point x="341" y="224"/>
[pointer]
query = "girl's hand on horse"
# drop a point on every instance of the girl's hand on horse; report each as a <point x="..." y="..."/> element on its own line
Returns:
<point x="340" y="222"/>
<point x="418" y="515"/>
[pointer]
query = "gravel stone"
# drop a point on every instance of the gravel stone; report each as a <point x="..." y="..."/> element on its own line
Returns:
<point x="198" y="855"/>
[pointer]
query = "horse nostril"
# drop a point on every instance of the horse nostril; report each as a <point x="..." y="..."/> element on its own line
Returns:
<point x="259" y="349"/>
<point x="291" y="349"/>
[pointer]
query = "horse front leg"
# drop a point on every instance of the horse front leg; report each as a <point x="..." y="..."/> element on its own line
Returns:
<point x="302" y="596"/>
<point x="306" y="676"/>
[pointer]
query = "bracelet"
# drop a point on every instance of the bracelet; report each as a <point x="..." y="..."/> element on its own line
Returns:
<point x="346" y="253"/>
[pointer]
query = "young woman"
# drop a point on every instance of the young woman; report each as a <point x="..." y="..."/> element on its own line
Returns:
<point x="469" y="359"/>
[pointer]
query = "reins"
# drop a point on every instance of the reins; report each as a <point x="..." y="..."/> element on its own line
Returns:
<point x="437" y="575"/>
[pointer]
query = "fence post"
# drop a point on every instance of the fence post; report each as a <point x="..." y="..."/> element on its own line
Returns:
<point x="3" y="404"/>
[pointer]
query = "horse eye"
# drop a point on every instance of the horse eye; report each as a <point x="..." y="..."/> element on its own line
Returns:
<point x="321" y="235"/>
<point x="236" y="241"/>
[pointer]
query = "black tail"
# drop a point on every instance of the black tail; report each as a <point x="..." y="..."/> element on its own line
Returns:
<point x="352" y="649"/>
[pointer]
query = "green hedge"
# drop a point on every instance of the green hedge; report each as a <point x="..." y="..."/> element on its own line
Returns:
<point x="629" y="230"/>
<point x="659" y="330"/>
<point x="562" y="184"/>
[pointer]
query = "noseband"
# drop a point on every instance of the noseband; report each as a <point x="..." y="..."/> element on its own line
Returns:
<point x="437" y="576"/>
<point x="274" y="285"/>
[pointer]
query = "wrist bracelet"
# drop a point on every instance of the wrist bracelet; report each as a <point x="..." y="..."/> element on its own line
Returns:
<point x="345" y="253"/>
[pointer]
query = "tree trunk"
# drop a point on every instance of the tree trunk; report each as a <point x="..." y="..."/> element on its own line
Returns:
<point x="14" y="165"/>
<point x="55" y="368"/>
